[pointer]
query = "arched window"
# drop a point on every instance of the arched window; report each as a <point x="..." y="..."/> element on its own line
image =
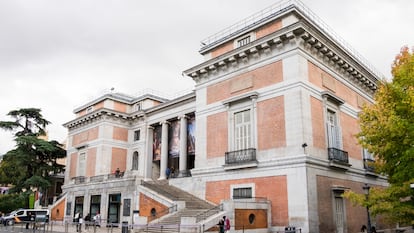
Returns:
<point x="135" y="161"/>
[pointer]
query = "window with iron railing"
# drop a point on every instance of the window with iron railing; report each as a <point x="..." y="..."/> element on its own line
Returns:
<point x="338" y="155"/>
<point x="240" y="156"/>
<point x="239" y="193"/>
<point x="368" y="160"/>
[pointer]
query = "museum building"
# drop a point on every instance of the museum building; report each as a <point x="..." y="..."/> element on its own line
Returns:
<point x="267" y="137"/>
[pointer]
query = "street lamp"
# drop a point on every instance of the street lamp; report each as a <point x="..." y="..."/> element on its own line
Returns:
<point x="366" y="188"/>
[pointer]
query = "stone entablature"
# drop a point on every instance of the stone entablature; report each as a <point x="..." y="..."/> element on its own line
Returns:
<point x="301" y="35"/>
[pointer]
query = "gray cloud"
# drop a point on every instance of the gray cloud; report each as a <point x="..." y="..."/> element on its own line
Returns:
<point x="56" y="55"/>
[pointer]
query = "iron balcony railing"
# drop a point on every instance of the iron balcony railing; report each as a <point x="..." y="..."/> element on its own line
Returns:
<point x="369" y="165"/>
<point x="240" y="156"/>
<point x="338" y="155"/>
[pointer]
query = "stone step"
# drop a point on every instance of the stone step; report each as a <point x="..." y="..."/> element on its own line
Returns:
<point x="194" y="206"/>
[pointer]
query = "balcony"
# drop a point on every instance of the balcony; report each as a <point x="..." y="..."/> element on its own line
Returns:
<point x="369" y="167"/>
<point x="338" y="158"/>
<point x="240" y="159"/>
<point x="98" y="178"/>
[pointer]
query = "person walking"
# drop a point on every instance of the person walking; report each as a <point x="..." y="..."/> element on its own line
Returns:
<point x="226" y="224"/>
<point x="221" y="225"/>
<point x="168" y="173"/>
<point x="87" y="221"/>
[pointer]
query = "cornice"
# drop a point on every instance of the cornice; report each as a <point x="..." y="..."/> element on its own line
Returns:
<point x="300" y="34"/>
<point x="105" y="114"/>
<point x="339" y="59"/>
<point x="97" y="116"/>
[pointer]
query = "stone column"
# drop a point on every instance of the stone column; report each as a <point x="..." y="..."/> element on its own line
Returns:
<point x="148" y="159"/>
<point x="164" y="150"/>
<point x="183" y="146"/>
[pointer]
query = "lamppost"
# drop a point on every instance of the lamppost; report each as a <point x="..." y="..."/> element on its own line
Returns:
<point x="366" y="188"/>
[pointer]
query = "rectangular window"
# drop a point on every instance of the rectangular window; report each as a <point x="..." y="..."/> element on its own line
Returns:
<point x="68" y="208"/>
<point x="334" y="131"/>
<point x="127" y="207"/>
<point x="95" y="206"/>
<point x="137" y="135"/>
<point x="82" y="164"/>
<point x="239" y="193"/>
<point x="242" y="130"/>
<point x="79" y="205"/>
<point x="368" y="160"/>
<point x="243" y="41"/>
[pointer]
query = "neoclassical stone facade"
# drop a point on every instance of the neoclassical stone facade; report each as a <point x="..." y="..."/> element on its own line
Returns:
<point x="273" y="115"/>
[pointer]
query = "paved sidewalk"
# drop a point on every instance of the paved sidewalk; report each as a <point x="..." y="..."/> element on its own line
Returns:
<point x="58" y="227"/>
<point x="70" y="227"/>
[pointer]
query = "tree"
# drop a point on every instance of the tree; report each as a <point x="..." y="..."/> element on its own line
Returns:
<point x="387" y="131"/>
<point x="387" y="127"/>
<point x="31" y="163"/>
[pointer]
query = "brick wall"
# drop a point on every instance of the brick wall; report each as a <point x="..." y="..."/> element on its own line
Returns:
<point x="217" y="135"/>
<point x="146" y="204"/>
<point x="271" y="123"/>
<point x="85" y="136"/>
<point x="249" y="81"/>
<point x="119" y="133"/>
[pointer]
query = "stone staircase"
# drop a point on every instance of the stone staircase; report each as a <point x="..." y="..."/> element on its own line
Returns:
<point x="194" y="207"/>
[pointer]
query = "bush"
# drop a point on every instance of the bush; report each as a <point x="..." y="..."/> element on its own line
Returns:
<point x="10" y="202"/>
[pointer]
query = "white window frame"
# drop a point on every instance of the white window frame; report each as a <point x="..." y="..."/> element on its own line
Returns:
<point x="333" y="132"/>
<point x="333" y="129"/>
<point x="238" y="104"/>
<point x="242" y="131"/>
<point x="240" y="186"/>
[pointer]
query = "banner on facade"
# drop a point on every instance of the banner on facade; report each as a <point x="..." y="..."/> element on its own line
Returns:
<point x="191" y="136"/>
<point x="156" y="144"/>
<point x="174" y="137"/>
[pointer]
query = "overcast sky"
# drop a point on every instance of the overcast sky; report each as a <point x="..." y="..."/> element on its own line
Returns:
<point x="57" y="55"/>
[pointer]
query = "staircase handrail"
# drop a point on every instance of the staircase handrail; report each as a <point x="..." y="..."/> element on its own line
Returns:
<point x="204" y="215"/>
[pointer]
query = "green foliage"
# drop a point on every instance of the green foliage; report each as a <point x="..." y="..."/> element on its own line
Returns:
<point x="387" y="131"/>
<point x="33" y="160"/>
<point x="10" y="202"/>
<point x="387" y="127"/>
<point x="28" y="121"/>
<point x="395" y="203"/>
